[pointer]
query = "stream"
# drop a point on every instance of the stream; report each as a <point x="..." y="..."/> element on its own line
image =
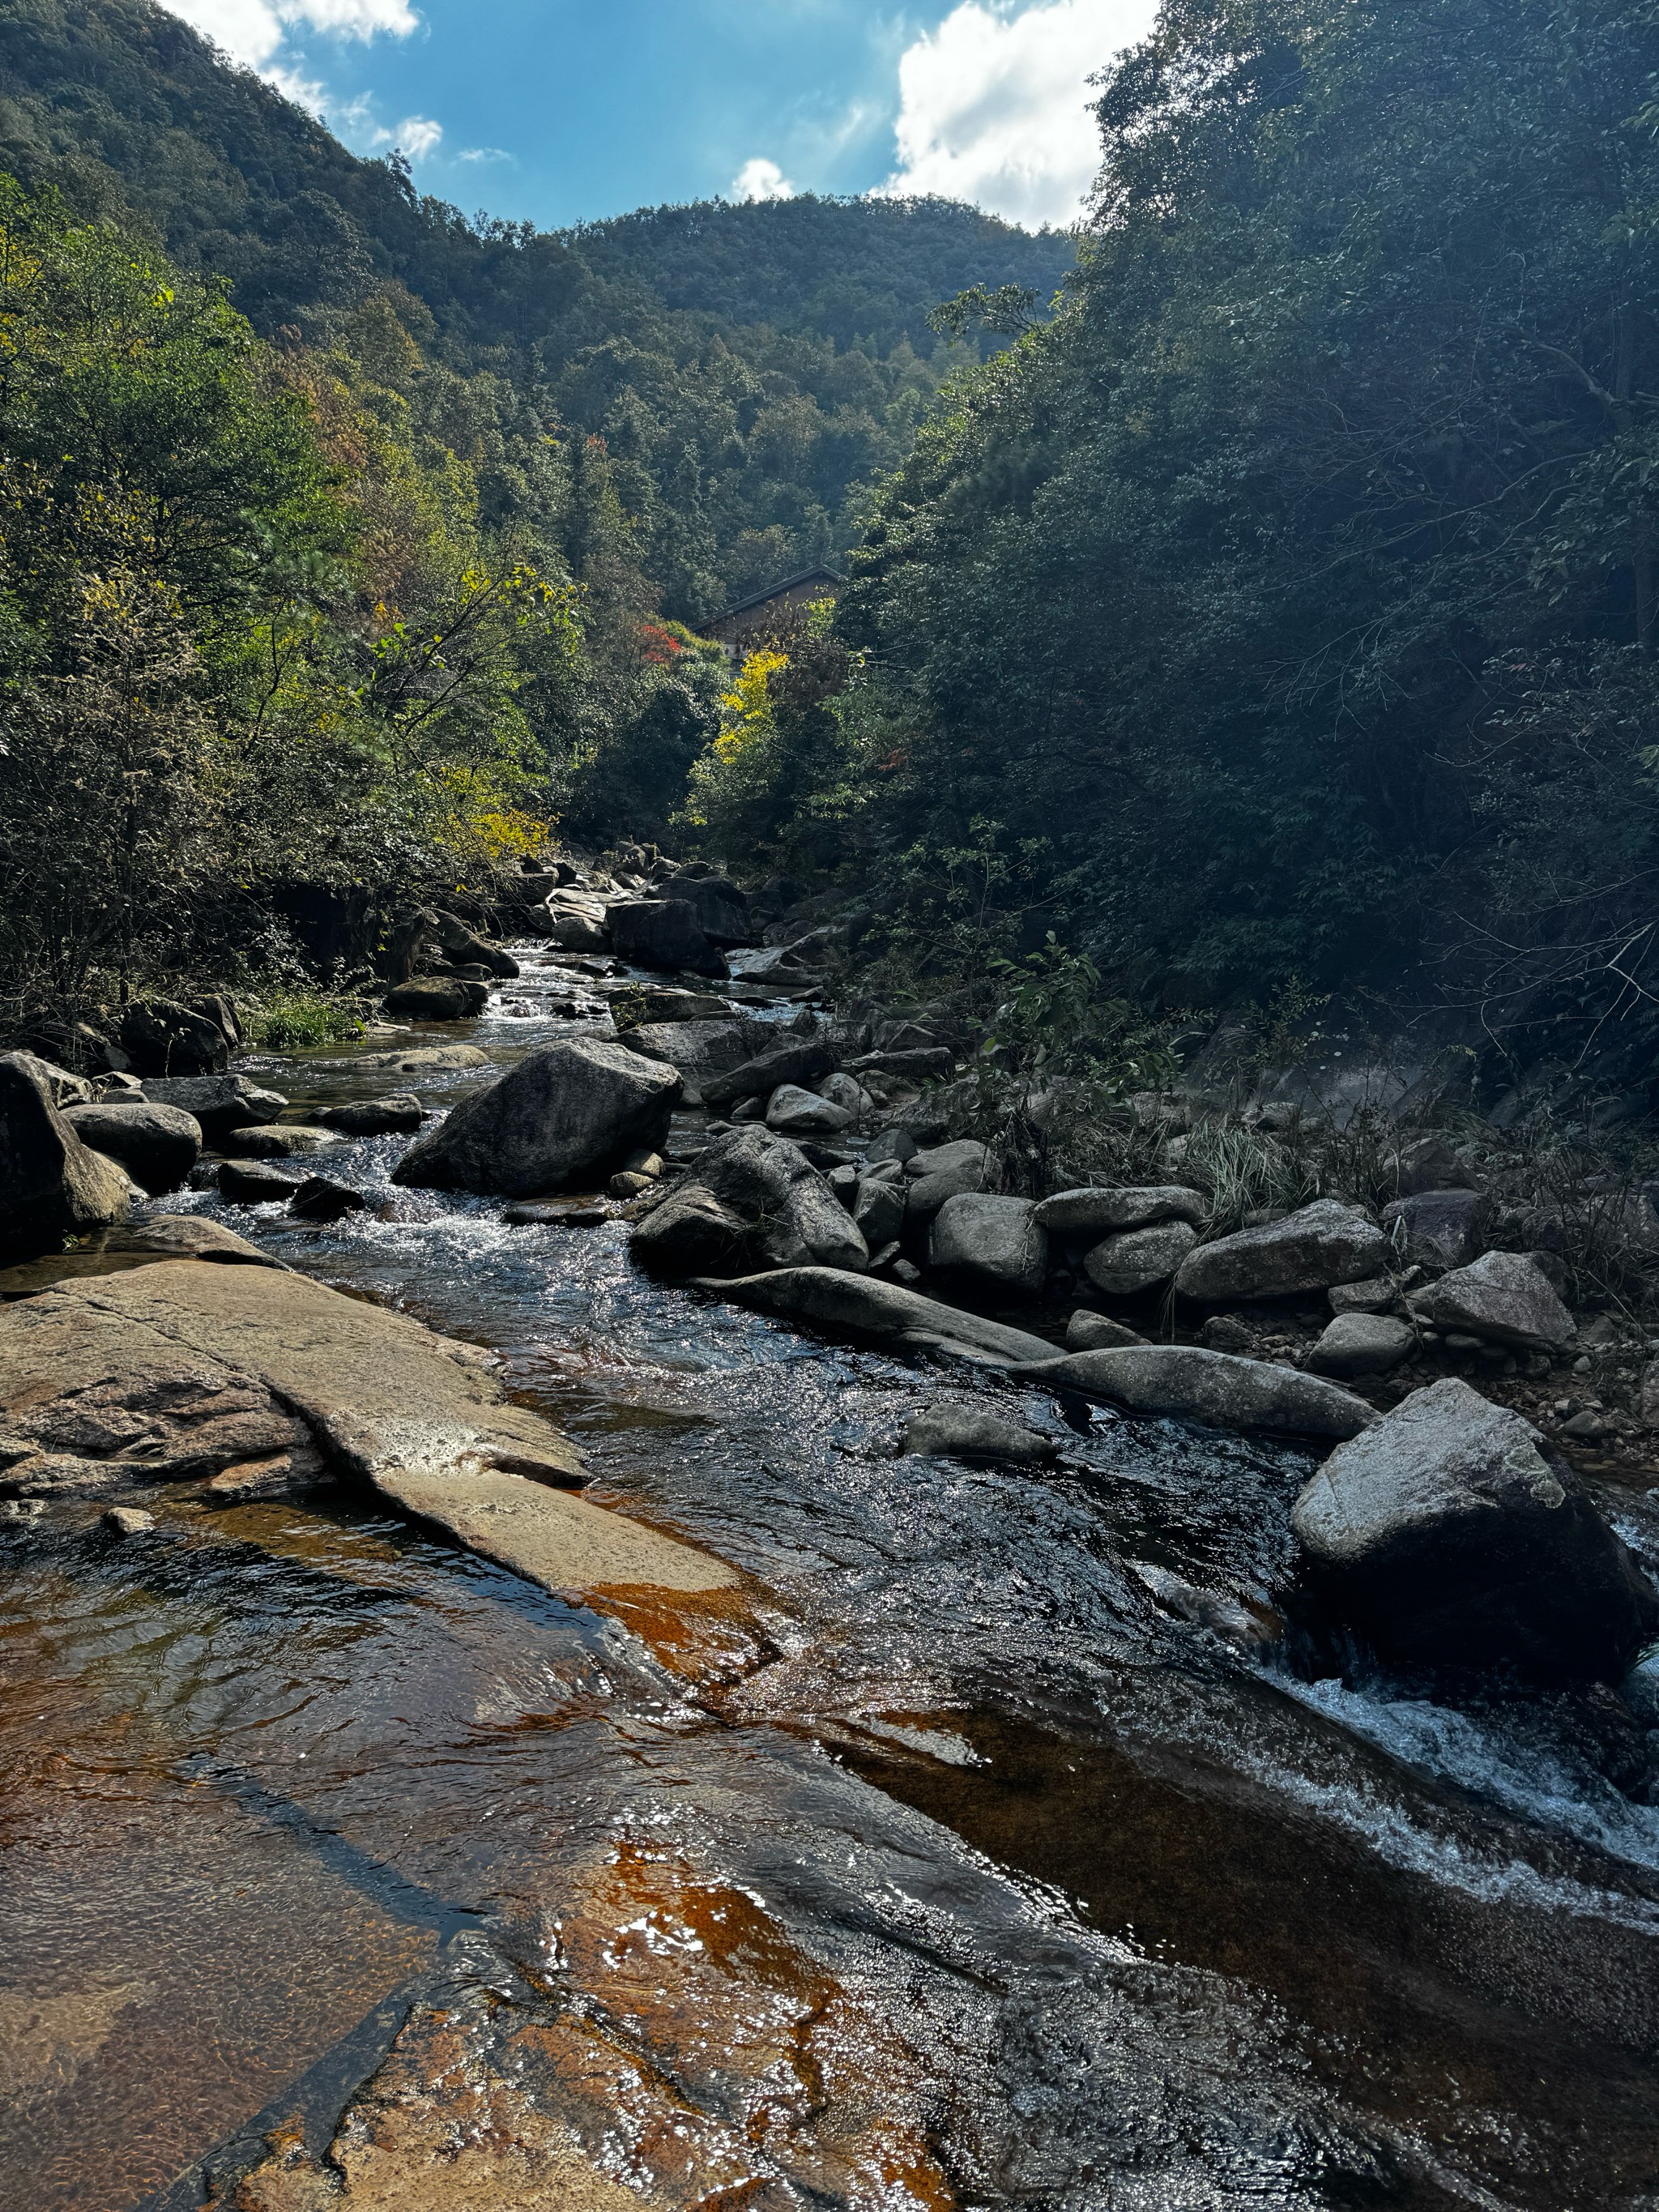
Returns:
<point x="941" y="1866"/>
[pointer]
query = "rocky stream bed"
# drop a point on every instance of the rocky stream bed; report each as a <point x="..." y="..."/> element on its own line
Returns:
<point x="898" y="1830"/>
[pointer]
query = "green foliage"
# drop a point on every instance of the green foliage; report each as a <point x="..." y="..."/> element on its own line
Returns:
<point x="286" y="1016"/>
<point x="745" y="366"/>
<point x="1290" y="596"/>
<point x="259" y="634"/>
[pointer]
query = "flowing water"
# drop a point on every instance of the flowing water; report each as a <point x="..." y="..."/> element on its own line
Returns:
<point x="941" y="1865"/>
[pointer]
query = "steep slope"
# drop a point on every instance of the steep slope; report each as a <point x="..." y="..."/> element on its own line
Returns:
<point x="746" y="367"/>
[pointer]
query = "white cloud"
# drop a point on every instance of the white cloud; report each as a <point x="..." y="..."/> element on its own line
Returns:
<point x="418" y="136"/>
<point x="761" y="180"/>
<point x="994" y="104"/>
<point x="251" y="31"/>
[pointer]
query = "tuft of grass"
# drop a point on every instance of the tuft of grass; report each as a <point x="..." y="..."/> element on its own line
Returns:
<point x="289" y="1017"/>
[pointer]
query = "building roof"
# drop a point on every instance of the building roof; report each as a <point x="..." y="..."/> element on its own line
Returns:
<point x="776" y="592"/>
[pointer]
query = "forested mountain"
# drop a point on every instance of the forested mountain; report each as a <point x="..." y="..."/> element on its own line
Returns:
<point x="746" y="366"/>
<point x="1284" y="612"/>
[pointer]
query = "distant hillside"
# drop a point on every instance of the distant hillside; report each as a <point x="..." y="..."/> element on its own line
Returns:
<point x="747" y="366"/>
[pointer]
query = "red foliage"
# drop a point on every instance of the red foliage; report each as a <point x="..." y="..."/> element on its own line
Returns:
<point x="659" y="646"/>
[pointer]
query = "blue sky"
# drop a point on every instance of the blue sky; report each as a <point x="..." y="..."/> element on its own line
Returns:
<point x="563" y="110"/>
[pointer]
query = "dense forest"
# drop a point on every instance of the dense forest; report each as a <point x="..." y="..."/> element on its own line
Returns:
<point x="746" y="366"/>
<point x="1272" y="616"/>
<point x="349" y="544"/>
<point x="1281" y="617"/>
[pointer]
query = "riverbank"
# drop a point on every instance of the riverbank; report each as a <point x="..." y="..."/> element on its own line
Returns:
<point x="952" y="1863"/>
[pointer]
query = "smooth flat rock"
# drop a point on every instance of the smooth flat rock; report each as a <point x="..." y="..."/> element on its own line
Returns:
<point x="1138" y="1260"/>
<point x="423" y="1420"/>
<point x="1502" y="1298"/>
<point x="659" y="1006"/>
<point x="860" y="1305"/>
<point x="283" y="1141"/>
<point x="565" y="1116"/>
<point x="400" y="1115"/>
<point x="1326" y="1243"/>
<point x="137" y="1244"/>
<point x="219" y="1102"/>
<point x="1452" y="1536"/>
<point x="257" y="1182"/>
<point x="1108" y="1213"/>
<point x="1216" y="1388"/>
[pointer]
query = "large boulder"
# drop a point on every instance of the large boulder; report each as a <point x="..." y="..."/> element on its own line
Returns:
<point x="700" y="1049"/>
<point x="1438" y="1228"/>
<point x="1326" y="1243"/>
<point x="944" y="1172"/>
<point x="158" y="1145"/>
<point x="1217" y="1388"/>
<point x="565" y="1116"/>
<point x="718" y="907"/>
<point x="437" y="998"/>
<point x="769" y="1072"/>
<point x="865" y="1306"/>
<point x="995" y="1239"/>
<point x="162" y="1038"/>
<point x="1502" y="1297"/>
<point x="218" y="1102"/>
<point x="787" y="1213"/>
<point x="1108" y="1213"/>
<point x="661" y="933"/>
<point x="797" y="1113"/>
<point x="572" y="929"/>
<point x="1450" y="1535"/>
<point x="1358" y="1344"/>
<point x="1140" y="1259"/>
<point x="52" y="1185"/>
